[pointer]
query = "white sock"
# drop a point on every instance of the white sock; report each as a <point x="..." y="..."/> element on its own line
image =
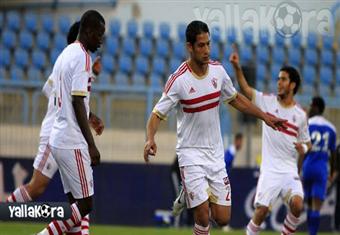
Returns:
<point x="19" y="195"/>
<point x="252" y="228"/>
<point x="200" y="230"/>
<point x="85" y="225"/>
<point x="290" y="224"/>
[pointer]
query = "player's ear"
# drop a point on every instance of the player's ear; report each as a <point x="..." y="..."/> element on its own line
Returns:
<point x="189" y="47"/>
<point x="292" y="85"/>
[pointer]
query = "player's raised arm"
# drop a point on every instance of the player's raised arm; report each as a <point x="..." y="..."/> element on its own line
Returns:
<point x="150" y="147"/>
<point x="235" y="61"/>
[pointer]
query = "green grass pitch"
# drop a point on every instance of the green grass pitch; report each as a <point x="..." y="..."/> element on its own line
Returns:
<point x="11" y="228"/>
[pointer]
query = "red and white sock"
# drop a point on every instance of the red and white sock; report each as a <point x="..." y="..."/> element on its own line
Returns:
<point x="19" y="195"/>
<point x="290" y="224"/>
<point x="252" y="228"/>
<point x="58" y="227"/>
<point x="85" y="225"/>
<point x="75" y="230"/>
<point x="200" y="230"/>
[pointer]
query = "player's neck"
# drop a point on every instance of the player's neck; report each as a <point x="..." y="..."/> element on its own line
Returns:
<point x="82" y="40"/>
<point x="198" y="70"/>
<point x="286" y="101"/>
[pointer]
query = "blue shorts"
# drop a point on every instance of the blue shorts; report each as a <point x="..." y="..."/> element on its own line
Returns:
<point x="314" y="182"/>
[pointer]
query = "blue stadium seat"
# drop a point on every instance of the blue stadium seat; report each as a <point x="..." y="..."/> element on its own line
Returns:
<point x="274" y="71"/>
<point x="104" y="78"/>
<point x="30" y="20"/>
<point x="148" y="28"/>
<point x="174" y="64"/>
<point x="231" y="35"/>
<point x="8" y="39"/>
<point x="125" y="64"/>
<point x="138" y="80"/>
<point x="47" y="72"/>
<point x="228" y="68"/>
<point x="262" y="54"/>
<point x="261" y="74"/>
<point x="132" y="28"/>
<point x="54" y="55"/>
<point x="279" y="40"/>
<point x="214" y="51"/>
<point x="156" y="81"/>
<point x="264" y="37"/>
<point x="16" y="73"/>
<point x="326" y="80"/>
<point x="38" y="59"/>
<point x="337" y="81"/>
<point x="121" y="79"/>
<point x="5" y="57"/>
<point x="246" y="54"/>
<point x="278" y="55"/>
<point x="296" y="40"/>
<point x="179" y="50"/>
<point x="181" y="27"/>
<point x="108" y="63"/>
<point x="327" y="57"/>
<point x="145" y="47"/>
<point x="162" y="48"/>
<point x="216" y="34"/>
<point x="142" y="65"/>
<point x="159" y="66"/>
<point x="311" y="57"/>
<point x="309" y="77"/>
<point x="248" y="36"/>
<point x="327" y="42"/>
<point x="64" y="24"/>
<point x="112" y="45"/>
<point x="34" y="74"/>
<point x="129" y="46"/>
<point x="338" y="59"/>
<point x="2" y="20"/>
<point x="60" y="41"/>
<point x="294" y="56"/>
<point x="21" y="58"/>
<point x="312" y="40"/>
<point x="3" y="74"/>
<point x="115" y="26"/>
<point x="26" y="40"/>
<point x="43" y="41"/>
<point x="164" y="31"/>
<point x="47" y="23"/>
<point x="13" y="20"/>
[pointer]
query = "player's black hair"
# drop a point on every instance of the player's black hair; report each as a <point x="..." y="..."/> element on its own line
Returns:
<point x="239" y="135"/>
<point x="73" y="32"/>
<point x="318" y="102"/>
<point x="193" y="29"/>
<point x="294" y="76"/>
<point x="91" y="19"/>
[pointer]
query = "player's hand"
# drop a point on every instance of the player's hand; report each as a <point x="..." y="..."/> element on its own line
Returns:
<point x="299" y="148"/>
<point x="95" y="155"/>
<point x="96" y="123"/>
<point x="97" y="66"/>
<point x="234" y="57"/>
<point x="275" y="122"/>
<point x="150" y="150"/>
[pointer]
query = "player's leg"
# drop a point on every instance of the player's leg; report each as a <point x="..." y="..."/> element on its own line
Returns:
<point x="44" y="169"/>
<point x="268" y="190"/>
<point x="76" y="173"/>
<point x="294" y="192"/>
<point x="196" y="186"/>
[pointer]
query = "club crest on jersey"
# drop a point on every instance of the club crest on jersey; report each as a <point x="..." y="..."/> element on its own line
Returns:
<point x="226" y="180"/>
<point x="192" y="90"/>
<point x="192" y="195"/>
<point x="214" y="82"/>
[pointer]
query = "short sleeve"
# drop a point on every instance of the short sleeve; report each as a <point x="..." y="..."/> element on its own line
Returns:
<point x="169" y="99"/>
<point x="304" y="136"/>
<point x="228" y="91"/>
<point x="258" y="98"/>
<point x="81" y="74"/>
<point x="332" y="141"/>
<point x="48" y="86"/>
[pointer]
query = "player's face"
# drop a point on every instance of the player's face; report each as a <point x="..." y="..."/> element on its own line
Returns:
<point x="200" y="51"/>
<point x="284" y="86"/>
<point x="96" y="37"/>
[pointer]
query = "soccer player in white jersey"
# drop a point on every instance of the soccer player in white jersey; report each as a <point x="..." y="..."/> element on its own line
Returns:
<point x="44" y="164"/>
<point x="71" y="141"/>
<point x="282" y="151"/>
<point x="195" y="90"/>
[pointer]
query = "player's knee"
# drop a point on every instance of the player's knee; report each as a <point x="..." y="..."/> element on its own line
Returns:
<point x="261" y="212"/>
<point x="296" y="205"/>
<point x="222" y="221"/>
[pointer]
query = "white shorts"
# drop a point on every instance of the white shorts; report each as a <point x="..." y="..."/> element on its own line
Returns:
<point x="44" y="161"/>
<point x="206" y="182"/>
<point x="270" y="186"/>
<point x="75" y="171"/>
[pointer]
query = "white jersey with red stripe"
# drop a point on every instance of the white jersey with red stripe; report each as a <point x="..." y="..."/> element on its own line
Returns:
<point x="199" y="140"/>
<point x="72" y="73"/>
<point x="278" y="151"/>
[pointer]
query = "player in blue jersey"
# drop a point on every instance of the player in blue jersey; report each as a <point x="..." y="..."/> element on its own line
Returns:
<point x="315" y="170"/>
<point x="230" y="153"/>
